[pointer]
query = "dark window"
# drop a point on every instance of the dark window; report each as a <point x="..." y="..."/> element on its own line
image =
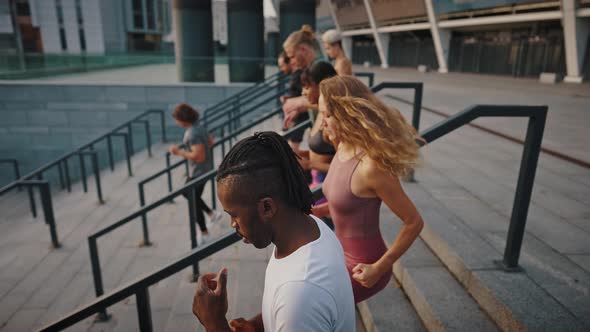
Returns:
<point x="62" y="38"/>
<point x="151" y="19"/>
<point x="137" y="13"/>
<point x="22" y="8"/>
<point x="79" y="12"/>
<point x="82" y="40"/>
<point x="60" y="12"/>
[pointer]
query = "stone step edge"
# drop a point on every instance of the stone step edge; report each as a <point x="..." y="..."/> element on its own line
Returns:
<point x="423" y="308"/>
<point x="496" y="309"/>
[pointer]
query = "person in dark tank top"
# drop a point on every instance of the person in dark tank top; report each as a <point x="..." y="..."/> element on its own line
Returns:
<point x="320" y="153"/>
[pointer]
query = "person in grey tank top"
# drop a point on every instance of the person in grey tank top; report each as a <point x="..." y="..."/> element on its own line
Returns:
<point x="196" y="144"/>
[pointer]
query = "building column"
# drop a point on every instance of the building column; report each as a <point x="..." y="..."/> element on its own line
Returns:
<point x="385" y="38"/>
<point x="293" y="14"/>
<point x="245" y="45"/>
<point x="347" y="46"/>
<point x="333" y="14"/>
<point x="575" y="34"/>
<point x="440" y="37"/>
<point x="193" y="47"/>
<point x="71" y="26"/>
<point x="376" y="35"/>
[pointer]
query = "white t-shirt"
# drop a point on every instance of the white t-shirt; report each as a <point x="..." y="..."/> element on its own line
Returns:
<point x="310" y="289"/>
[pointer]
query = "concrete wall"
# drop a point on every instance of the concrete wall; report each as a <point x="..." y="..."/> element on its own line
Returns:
<point x="40" y="122"/>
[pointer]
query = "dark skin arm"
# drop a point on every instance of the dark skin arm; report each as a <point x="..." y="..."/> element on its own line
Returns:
<point x="210" y="302"/>
<point x="252" y="325"/>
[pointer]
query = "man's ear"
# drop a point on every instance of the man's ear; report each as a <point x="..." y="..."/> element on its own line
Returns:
<point x="267" y="208"/>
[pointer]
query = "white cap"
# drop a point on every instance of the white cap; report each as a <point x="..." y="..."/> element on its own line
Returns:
<point x="331" y="36"/>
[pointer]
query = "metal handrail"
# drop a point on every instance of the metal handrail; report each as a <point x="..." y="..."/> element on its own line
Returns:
<point x="239" y="102"/>
<point x="62" y="162"/>
<point x="233" y="118"/>
<point x="369" y="75"/>
<point x="46" y="204"/>
<point x="249" y="89"/>
<point x="537" y="117"/>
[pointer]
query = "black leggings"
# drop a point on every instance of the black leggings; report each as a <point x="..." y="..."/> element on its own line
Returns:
<point x="201" y="206"/>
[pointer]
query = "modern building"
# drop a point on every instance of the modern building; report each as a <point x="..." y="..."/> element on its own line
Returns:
<point x="84" y="26"/>
<point x="507" y="37"/>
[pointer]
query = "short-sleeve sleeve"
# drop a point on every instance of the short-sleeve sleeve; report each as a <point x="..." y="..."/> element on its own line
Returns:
<point x="303" y="306"/>
<point x="199" y="135"/>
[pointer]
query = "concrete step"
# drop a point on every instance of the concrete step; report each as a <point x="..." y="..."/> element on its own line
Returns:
<point x="438" y="302"/>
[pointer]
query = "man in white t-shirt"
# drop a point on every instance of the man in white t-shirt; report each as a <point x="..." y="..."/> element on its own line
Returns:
<point x="307" y="288"/>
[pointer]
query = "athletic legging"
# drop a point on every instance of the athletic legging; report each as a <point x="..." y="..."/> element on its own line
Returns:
<point x="200" y="205"/>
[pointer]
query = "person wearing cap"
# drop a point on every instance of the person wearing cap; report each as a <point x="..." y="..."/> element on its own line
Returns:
<point x="333" y="44"/>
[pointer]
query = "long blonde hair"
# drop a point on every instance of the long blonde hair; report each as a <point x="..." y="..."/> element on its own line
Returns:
<point x="305" y="35"/>
<point x="363" y="121"/>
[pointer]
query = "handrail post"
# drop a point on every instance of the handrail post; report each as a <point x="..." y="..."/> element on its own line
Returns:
<point x="416" y="112"/>
<point x="186" y="168"/>
<point x="213" y="200"/>
<point x="144" y="312"/>
<point x="148" y="136"/>
<point x="83" y="172"/>
<point x="130" y="139"/>
<point x="96" y="169"/>
<point x="61" y="175"/>
<point x="45" y="193"/>
<point x="110" y="152"/>
<point x="97" y="275"/>
<point x="168" y="173"/>
<point x="67" y="174"/>
<point x="16" y="172"/>
<point x="524" y="189"/>
<point x="146" y="237"/>
<point x="222" y="144"/>
<point x="127" y="152"/>
<point x="192" y="213"/>
<point x="32" y="201"/>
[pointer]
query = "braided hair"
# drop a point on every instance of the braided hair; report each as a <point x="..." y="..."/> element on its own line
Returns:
<point x="265" y="165"/>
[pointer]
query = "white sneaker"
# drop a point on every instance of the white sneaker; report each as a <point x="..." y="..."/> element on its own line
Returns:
<point x="215" y="216"/>
<point x="205" y="238"/>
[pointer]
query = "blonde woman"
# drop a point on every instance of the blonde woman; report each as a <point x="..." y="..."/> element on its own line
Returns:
<point x="333" y="45"/>
<point x="376" y="146"/>
<point x="300" y="50"/>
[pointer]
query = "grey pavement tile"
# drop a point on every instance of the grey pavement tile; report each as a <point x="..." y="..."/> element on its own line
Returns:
<point x="582" y="260"/>
<point x="555" y="273"/>
<point x="47" y="118"/>
<point x="24" y="320"/>
<point x="583" y="223"/>
<point x="451" y="305"/>
<point x="125" y="93"/>
<point x="87" y="106"/>
<point x="13" y="118"/>
<point x="391" y="310"/>
<point x="84" y="93"/>
<point x="164" y="94"/>
<point x="529" y="303"/>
